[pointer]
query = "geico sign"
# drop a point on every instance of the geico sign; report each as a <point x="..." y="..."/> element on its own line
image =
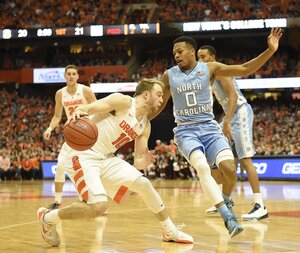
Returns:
<point x="53" y="169"/>
<point x="291" y="168"/>
<point x="261" y="168"/>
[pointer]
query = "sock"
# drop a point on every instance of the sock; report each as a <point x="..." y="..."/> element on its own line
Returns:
<point x="226" y="198"/>
<point x="225" y="213"/>
<point x="257" y="199"/>
<point x="52" y="217"/>
<point x="58" y="197"/>
<point x="168" y="225"/>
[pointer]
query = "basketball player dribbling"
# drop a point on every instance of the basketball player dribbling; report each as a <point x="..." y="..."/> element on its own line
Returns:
<point x="97" y="174"/>
<point x="68" y="99"/>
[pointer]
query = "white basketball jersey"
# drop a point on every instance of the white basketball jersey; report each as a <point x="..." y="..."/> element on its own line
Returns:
<point x="71" y="102"/>
<point x="114" y="132"/>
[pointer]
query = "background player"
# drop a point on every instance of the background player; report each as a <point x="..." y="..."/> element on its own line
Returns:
<point x="97" y="173"/>
<point x="68" y="98"/>
<point x="237" y="129"/>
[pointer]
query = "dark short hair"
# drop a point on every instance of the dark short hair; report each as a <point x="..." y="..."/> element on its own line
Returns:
<point x="210" y="49"/>
<point x="146" y="84"/>
<point x="187" y="39"/>
<point x="71" y="67"/>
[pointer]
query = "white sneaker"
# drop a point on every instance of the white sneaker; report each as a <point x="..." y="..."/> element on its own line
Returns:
<point x="257" y="213"/>
<point x="211" y="210"/>
<point x="177" y="236"/>
<point x="49" y="232"/>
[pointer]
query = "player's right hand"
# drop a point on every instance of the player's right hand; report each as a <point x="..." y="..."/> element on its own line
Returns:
<point x="78" y="114"/>
<point x="47" y="134"/>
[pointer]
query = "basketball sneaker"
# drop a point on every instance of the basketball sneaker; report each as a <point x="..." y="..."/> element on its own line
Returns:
<point x="54" y="205"/>
<point x="177" y="236"/>
<point x="257" y="213"/>
<point x="49" y="232"/>
<point x="211" y="210"/>
<point x="233" y="227"/>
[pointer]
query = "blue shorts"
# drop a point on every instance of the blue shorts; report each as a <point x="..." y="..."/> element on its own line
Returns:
<point x="241" y="127"/>
<point x="206" y="136"/>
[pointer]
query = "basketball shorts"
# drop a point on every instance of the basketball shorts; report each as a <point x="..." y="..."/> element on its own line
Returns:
<point x="242" y="130"/>
<point x="206" y="136"/>
<point x="97" y="177"/>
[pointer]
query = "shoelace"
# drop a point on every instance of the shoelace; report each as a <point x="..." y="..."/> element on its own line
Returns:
<point x="255" y="208"/>
<point x="179" y="227"/>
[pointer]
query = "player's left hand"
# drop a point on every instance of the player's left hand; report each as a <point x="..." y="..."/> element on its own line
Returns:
<point x="227" y="130"/>
<point x="274" y="37"/>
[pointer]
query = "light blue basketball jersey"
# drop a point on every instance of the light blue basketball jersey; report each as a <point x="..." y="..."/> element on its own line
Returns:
<point x="222" y="97"/>
<point x="191" y="93"/>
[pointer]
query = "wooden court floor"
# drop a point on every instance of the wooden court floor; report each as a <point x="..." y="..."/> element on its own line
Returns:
<point x="130" y="227"/>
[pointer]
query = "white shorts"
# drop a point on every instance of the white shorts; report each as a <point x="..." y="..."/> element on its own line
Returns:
<point x="95" y="176"/>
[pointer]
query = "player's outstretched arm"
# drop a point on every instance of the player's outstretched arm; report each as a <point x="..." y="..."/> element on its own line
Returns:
<point x="252" y="65"/>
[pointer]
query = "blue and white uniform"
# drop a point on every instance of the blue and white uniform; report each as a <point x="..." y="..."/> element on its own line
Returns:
<point x="193" y="112"/>
<point x="242" y="121"/>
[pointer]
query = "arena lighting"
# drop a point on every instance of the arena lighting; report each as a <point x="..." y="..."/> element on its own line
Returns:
<point x="259" y="83"/>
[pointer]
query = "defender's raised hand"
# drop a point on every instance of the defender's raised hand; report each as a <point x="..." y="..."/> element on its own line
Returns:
<point x="274" y="37"/>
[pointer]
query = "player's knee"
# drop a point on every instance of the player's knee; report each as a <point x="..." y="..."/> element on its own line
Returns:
<point x="228" y="168"/>
<point x="98" y="208"/>
<point x="142" y="184"/>
<point x="199" y="162"/>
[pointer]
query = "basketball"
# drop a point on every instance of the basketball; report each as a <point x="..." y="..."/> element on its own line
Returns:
<point x="81" y="134"/>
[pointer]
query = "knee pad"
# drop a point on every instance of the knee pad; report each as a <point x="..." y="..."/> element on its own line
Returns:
<point x="199" y="162"/>
<point x="224" y="155"/>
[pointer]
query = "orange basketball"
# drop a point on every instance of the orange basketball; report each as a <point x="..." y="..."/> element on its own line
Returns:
<point x="82" y="134"/>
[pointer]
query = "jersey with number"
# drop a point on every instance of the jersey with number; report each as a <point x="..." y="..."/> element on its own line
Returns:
<point x="222" y="97"/>
<point x="71" y="102"/>
<point x="114" y="132"/>
<point x="191" y="93"/>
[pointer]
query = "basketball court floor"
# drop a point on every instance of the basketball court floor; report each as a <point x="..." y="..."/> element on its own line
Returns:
<point x="130" y="227"/>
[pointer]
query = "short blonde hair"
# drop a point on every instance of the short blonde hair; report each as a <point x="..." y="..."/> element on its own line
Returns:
<point x="146" y="84"/>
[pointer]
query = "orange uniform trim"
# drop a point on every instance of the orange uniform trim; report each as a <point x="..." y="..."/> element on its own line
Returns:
<point x="120" y="194"/>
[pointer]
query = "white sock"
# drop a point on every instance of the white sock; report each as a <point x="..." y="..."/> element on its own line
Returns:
<point x="58" y="197"/>
<point x="52" y="217"/>
<point x="168" y="225"/>
<point x="257" y="199"/>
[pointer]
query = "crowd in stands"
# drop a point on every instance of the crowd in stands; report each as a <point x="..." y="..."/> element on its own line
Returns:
<point x="201" y="10"/>
<point x="24" y="118"/>
<point x="47" y="13"/>
<point x="97" y="54"/>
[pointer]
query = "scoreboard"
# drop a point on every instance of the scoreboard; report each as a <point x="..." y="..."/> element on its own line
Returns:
<point x="84" y="31"/>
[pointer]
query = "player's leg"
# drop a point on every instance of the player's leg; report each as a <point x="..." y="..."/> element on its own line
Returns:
<point x="259" y="210"/>
<point x="218" y="153"/>
<point x="59" y="178"/>
<point x="217" y="175"/>
<point x="119" y="176"/>
<point x="188" y="142"/>
<point x="153" y="201"/>
<point x="59" y="181"/>
<point x="84" y="174"/>
<point x="245" y="150"/>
